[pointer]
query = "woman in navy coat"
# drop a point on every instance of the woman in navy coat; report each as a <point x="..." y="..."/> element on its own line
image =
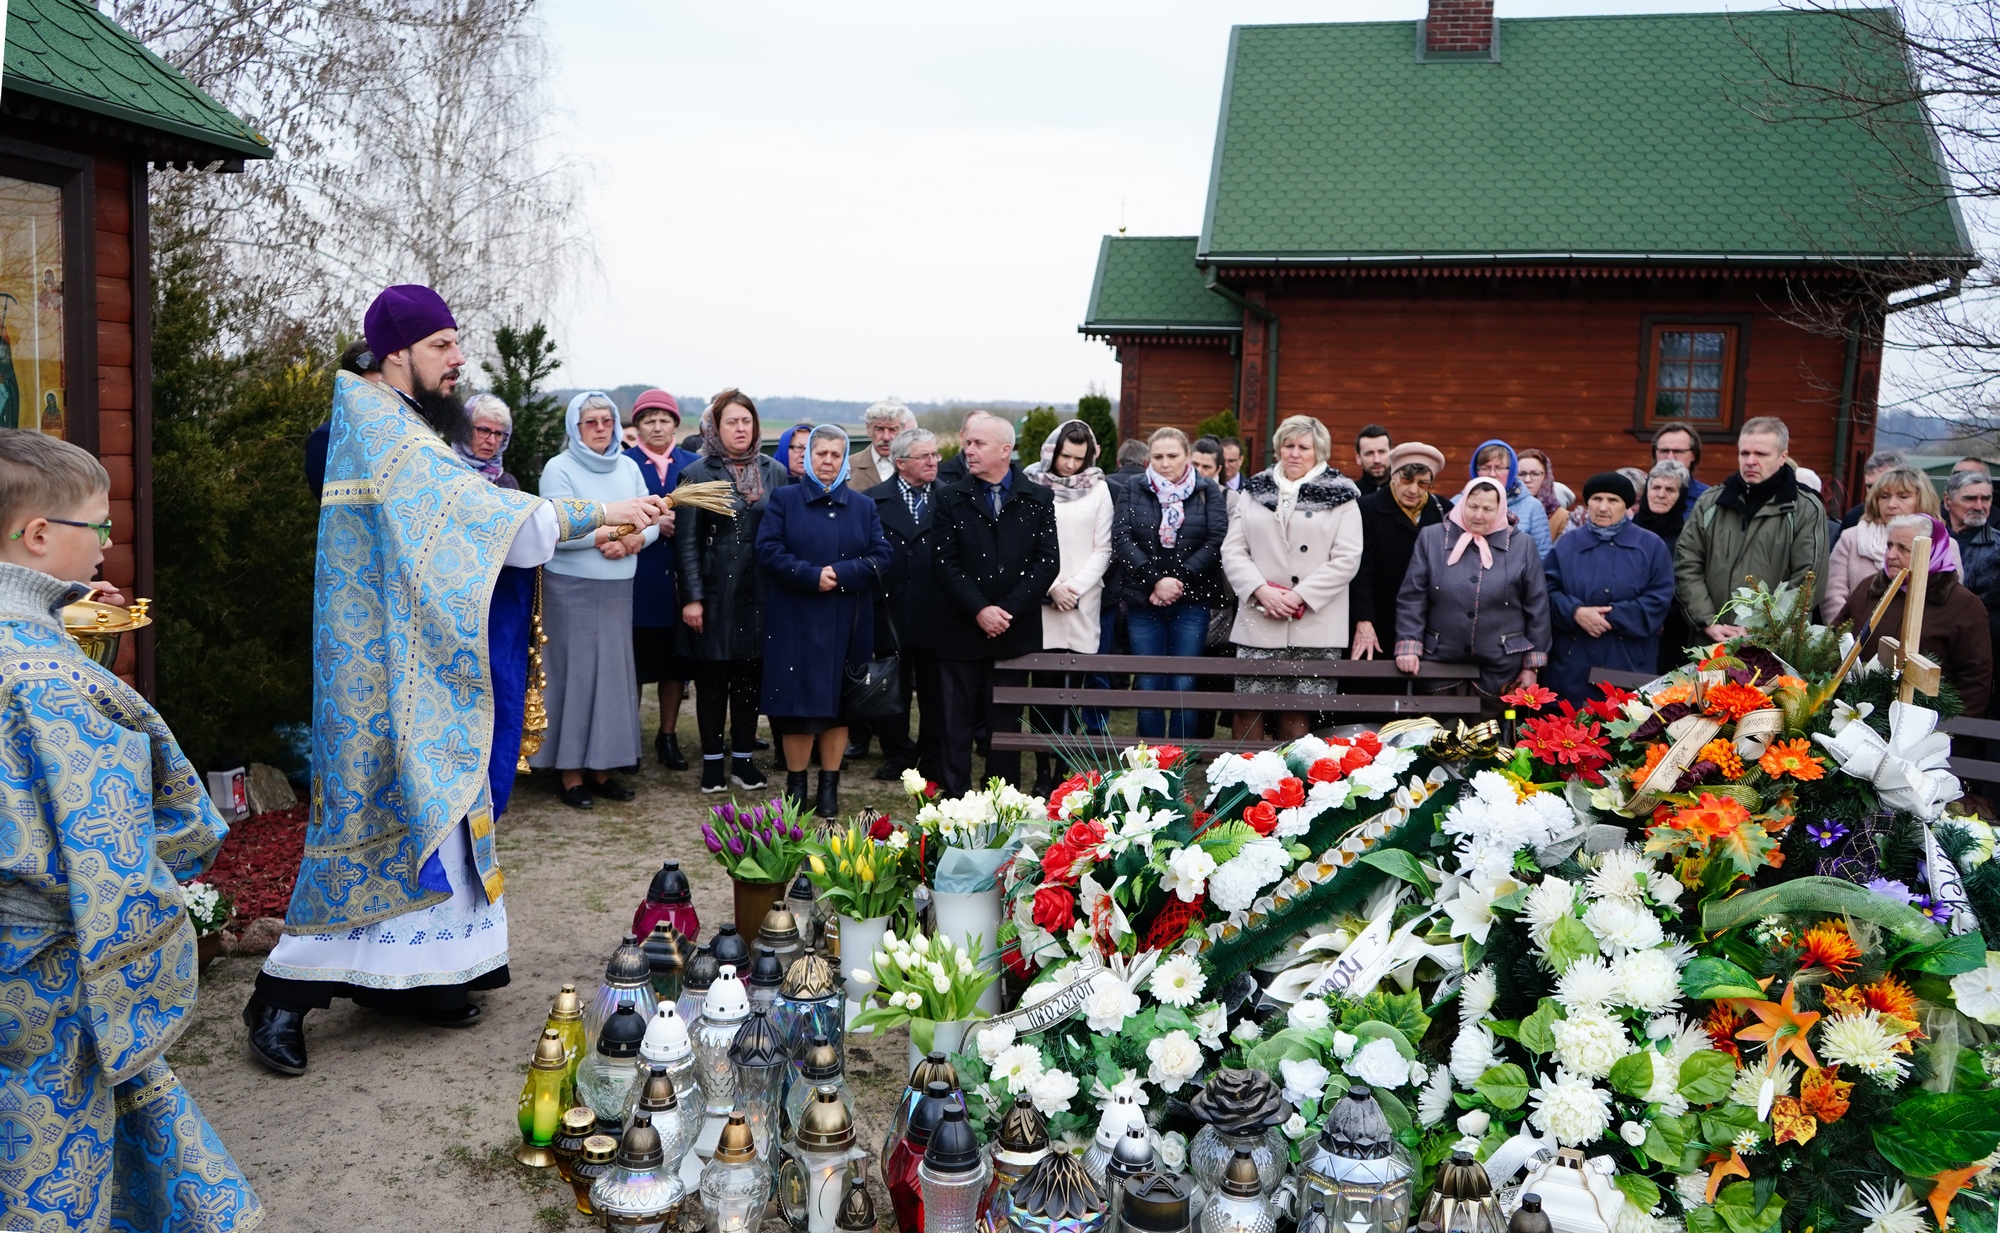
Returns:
<point x="656" y="607"/>
<point x="1610" y="586"/>
<point x="823" y="557"/>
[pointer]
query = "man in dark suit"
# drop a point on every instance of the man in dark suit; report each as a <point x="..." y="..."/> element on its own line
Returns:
<point x="907" y="508"/>
<point x="996" y="555"/>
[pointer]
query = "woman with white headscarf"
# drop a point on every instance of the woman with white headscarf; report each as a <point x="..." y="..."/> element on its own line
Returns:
<point x="823" y="557"/>
<point x="593" y="686"/>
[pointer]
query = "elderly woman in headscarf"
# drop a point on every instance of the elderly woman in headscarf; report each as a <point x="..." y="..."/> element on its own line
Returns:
<point x="1495" y="460"/>
<point x="1069" y="470"/>
<point x="1538" y="478"/>
<point x="593" y="687"/>
<point x="722" y="591"/>
<point x="1292" y="550"/>
<point x="791" y="451"/>
<point x="492" y="429"/>
<point x="1955" y="637"/>
<point x="823" y="557"/>
<point x="1475" y="594"/>
<point x="1610" y="586"/>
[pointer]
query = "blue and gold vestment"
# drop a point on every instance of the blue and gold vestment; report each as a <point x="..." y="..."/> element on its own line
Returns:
<point x="101" y="817"/>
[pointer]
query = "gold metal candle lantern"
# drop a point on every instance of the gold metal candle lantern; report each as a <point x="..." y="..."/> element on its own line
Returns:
<point x="541" y="1107"/>
<point x="1462" y="1201"/>
<point x="98" y="627"/>
<point x="577" y="1125"/>
<point x="599" y="1152"/>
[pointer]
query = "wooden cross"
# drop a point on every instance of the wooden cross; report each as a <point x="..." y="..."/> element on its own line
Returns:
<point x="1914" y="670"/>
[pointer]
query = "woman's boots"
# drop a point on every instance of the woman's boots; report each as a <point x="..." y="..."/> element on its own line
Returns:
<point x="796" y="788"/>
<point x="829" y="793"/>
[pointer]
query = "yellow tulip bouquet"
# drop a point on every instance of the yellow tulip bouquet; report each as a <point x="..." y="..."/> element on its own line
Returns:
<point x="864" y="871"/>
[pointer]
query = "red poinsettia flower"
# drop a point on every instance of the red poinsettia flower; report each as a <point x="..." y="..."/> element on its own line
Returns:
<point x="882" y="828"/>
<point x="1262" y="818"/>
<point x="1055" y="908"/>
<point x="1289" y="794"/>
<point x="1561" y="741"/>
<point x="1532" y="697"/>
<point x="1326" y="770"/>
<point x="1611" y="705"/>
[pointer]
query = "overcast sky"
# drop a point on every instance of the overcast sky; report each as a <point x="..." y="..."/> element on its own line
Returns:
<point x="857" y="199"/>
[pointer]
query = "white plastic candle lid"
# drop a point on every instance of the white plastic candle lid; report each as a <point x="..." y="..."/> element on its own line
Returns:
<point x="727" y="1000"/>
<point x="666" y="1037"/>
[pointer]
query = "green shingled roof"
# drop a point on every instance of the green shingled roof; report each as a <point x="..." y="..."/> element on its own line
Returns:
<point x="1590" y="136"/>
<point x="67" y="52"/>
<point x="1151" y="284"/>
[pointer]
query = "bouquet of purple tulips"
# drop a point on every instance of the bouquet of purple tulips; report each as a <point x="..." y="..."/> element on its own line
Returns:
<point x="764" y="843"/>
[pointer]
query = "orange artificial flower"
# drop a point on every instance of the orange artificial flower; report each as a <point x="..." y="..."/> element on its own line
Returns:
<point x="1714" y="817"/>
<point x="1794" y="758"/>
<point x="1782" y="1027"/>
<point x="1949" y="1183"/>
<point x="1730" y="702"/>
<point x="1654" y="753"/>
<point x="1844" y="1000"/>
<point x="1679" y="691"/>
<point x="1824" y="1094"/>
<point x="1892" y="997"/>
<point x="1721" y="1025"/>
<point x="1787" y="681"/>
<point x="1791" y="1121"/>
<point x="1722" y="752"/>
<point x="1830" y="946"/>
<point x="1732" y="1167"/>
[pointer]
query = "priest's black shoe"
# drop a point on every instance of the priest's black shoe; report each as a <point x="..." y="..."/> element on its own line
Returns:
<point x="829" y="794"/>
<point x="457" y="1017"/>
<point x="667" y="747"/>
<point x="612" y="790"/>
<point x="277" y="1037"/>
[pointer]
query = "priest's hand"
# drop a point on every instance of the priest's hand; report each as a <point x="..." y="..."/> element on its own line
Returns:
<point x="640" y="512"/>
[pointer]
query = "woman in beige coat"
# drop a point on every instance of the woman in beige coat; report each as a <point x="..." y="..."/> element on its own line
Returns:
<point x="1858" y="553"/>
<point x="1294" y="545"/>
<point x="1069" y="469"/>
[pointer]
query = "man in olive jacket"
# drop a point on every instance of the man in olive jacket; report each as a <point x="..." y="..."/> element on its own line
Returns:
<point x="996" y="554"/>
<point x="1759" y="525"/>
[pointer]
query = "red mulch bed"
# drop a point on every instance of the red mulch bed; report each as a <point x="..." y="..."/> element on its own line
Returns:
<point x="260" y="861"/>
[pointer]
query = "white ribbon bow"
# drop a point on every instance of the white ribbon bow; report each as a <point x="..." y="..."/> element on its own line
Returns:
<point x="1907" y="770"/>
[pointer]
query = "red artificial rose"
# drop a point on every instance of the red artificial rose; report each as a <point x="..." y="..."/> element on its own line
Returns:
<point x="1289" y="794"/>
<point x="1056" y="862"/>
<point x="1370" y="742"/>
<point x="882" y="829"/>
<point x="1354" y="759"/>
<point x="1167" y="755"/>
<point x="1326" y="770"/>
<point x="1055" y="908"/>
<point x="1084" y="836"/>
<point x="1262" y="818"/>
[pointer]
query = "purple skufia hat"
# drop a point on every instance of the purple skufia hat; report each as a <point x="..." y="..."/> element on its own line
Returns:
<point x="402" y="316"/>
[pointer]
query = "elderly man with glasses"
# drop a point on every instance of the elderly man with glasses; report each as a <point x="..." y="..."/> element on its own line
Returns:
<point x="907" y="621"/>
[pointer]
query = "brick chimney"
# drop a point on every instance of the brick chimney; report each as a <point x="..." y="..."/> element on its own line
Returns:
<point x="1459" y="29"/>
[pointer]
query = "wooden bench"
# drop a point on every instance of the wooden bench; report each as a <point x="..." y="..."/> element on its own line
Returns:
<point x="1977" y="729"/>
<point x="1460" y="703"/>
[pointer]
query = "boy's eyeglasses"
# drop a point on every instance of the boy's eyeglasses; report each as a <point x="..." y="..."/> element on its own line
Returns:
<point x="103" y="529"/>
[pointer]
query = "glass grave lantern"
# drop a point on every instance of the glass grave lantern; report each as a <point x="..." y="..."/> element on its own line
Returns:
<point x="780" y="932"/>
<point x="566" y="1020"/>
<point x="655" y="1100"/>
<point x="1133" y="1155"/>
<point x="639" y="1193"/>
<point x="767" y="976"/>
<point x="760" y="1062"/>
<point x="953" y="1174"/>
<point x="606" y="1076"/>
<point x="732" y="948"/>
<point x="722" y="1015"/>
<point x="670" y="900"/>
<point x="667" y="956"/>
<point x="599" y="1153"/>
<point x="667" y="1046"/>
<point x="628" y="980"/>
<point x="696" y="977"/>
<point x="812" y="1002"/>
<point x="1019" y="1145"/>
<point x="1241" y="1108"/>
<point x="1239" y="1205"/>
<point x="900" y="1171"/>
<point x="857" y="1210"/>
<point x="736" y="1183"/>
<point x="1118" y="1116"/>
<point x="935" y="1067"/>
<point x="1462" y="1200"/>
<point x="1057" y="1196"/>
<point x="1158" y="1203"/>
<point x="812" y="1178"/>
<point x="802" y="901"/>
<point x="1357" y="1169"/>
<point x="541" y="1107"/>
<point x="819" y="1067"/>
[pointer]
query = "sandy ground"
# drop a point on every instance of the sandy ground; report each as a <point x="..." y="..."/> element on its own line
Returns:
<point x="403" y="1127"/>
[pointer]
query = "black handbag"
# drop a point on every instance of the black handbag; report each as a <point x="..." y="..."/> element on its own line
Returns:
<point x="874" y="690"/>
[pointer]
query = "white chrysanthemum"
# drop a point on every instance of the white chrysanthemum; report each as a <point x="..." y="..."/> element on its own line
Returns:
<point x="1210" y="1025"/>
<point x="1748" y="1087"/>
<point x="1587" y="984"/>
<point x="1109" y="1003"/>
<point x="994" y="1039"/>
<point x="1573" y="1109"/>
<point x="1691" y="1189"/>
<point x="1619" y="875"/>
<point x="1435" y="1100"/>
<point x="1188" y="871"/>
<point x="1178" y="981"/>
<point x="1471" y="1054"/>
<point x="1977" y="994"/>
<point x="1018" y="1066"/>
<point x="1234" y="886"/>
<point x="1622" y="925"/>
<point x="1172" y="1148"/>
<point x="1175" y="1059"/>
<point x="1589" y="1043"/>
<point x="1307" y="750"/>
<point x="1304" y="1079"/>
<point x="1889" y="1211"/>
<point x="1259" y="772"/>
<point x="1648" y="980"/>
<point x="1475" y="996"/>
<point x="1052" y="1092"/>
<point x="1861" y="1041"/>
<point x="1379" y="1064"/>
<point x="1550" y="901"/>
<point x="1309" y="1015"/>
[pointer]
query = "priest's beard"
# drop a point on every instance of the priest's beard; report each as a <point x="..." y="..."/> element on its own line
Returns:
<point x="444" y="412"/>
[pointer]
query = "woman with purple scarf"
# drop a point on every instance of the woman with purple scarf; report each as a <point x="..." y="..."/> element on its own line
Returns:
<point x="1955" y="635"/>
<point x="492" y="429"/>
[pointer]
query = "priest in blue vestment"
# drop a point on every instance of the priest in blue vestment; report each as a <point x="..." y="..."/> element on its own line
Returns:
<point x="421" y="596"/>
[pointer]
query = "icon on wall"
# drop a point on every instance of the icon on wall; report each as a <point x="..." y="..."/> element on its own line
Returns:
<point x="10" y="385"/>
